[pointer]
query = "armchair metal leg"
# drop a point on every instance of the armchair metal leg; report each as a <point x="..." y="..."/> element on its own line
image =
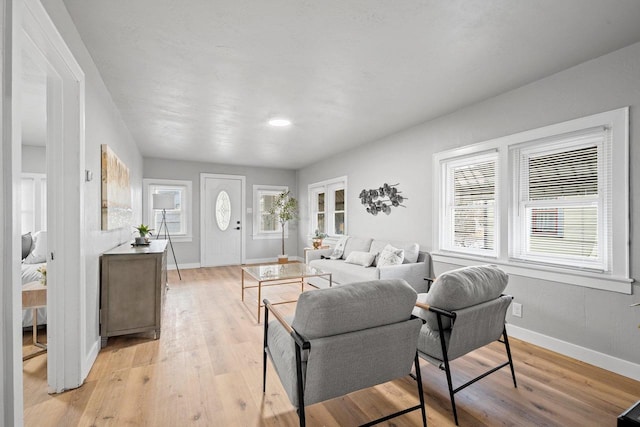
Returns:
<point x="418" y="378"/>
<point x="264" y="350"/>
<point x="445" y="358"/>
<point x="300" y="387"/>
<point x="506" y="344"/>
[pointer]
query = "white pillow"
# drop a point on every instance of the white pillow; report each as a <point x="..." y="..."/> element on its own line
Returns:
<point x="390" y="256"/>
<point x="38" y="249"/>
<point x="364" y="259"/>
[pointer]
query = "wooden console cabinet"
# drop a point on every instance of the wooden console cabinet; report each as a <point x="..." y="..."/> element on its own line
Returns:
<point x="132" y="287"/>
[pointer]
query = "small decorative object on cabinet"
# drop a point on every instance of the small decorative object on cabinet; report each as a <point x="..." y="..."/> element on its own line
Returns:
<point x="132" y="289"/>
<point x="143" y="230"/>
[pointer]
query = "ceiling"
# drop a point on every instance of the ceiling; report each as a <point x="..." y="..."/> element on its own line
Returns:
<point x="199" y="79"/>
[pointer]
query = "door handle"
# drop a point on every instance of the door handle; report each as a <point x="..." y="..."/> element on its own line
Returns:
<point x="237" y="228"/>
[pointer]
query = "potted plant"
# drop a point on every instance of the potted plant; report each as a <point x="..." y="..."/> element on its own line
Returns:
<point x="316" y="239"/>
<point x="144" y="231"/>
<point x="285" y="209"/>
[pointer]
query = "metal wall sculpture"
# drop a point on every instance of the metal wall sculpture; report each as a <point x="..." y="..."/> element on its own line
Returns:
<point x="382" y="199"/>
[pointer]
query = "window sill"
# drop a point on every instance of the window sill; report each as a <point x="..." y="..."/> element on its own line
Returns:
<point x="566" y="276"/>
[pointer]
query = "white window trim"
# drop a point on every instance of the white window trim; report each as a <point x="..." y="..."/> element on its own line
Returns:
<point x="445" y="216"/>
<point x="148" y="211"/>
<point x="39" y="200"/>
<point x="257" y="234"/>
<point x="617" y="278"/>
<point x="327" y="185"/>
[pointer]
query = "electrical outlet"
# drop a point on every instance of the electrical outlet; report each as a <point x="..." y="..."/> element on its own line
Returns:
<point x="516" y="309"/>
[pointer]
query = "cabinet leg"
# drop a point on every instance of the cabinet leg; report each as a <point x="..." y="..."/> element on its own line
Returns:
<point x="103" y="342"/>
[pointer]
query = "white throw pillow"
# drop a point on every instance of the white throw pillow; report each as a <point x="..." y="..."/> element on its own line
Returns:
<point x="38" y="249"/>
<point x="390" y="256"/>
<point x="364" y="259"/>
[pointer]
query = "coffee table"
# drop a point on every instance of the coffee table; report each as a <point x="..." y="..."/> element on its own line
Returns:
<point x="279" y="274"/>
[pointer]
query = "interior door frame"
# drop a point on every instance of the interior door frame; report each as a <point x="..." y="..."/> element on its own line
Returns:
<point x="243" y="208"/>
<point x="67" y="365"/>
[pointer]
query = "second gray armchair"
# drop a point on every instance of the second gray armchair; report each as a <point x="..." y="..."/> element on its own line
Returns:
<point x="463" y="311"/>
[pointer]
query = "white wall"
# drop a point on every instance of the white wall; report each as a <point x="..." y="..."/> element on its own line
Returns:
<point x="104" y="125"/>
<point x="585" y="319"/>
<point x="256" y="250"/>
<point x="34" y="159"/>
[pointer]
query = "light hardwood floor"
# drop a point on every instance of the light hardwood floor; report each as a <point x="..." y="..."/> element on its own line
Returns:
<point x="206" y="369"/>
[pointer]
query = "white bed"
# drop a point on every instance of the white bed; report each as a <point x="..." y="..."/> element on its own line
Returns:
<point x="31" y="262"/>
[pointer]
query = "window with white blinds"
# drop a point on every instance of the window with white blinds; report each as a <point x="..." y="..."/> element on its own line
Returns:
<point x="548" y="203"/>
<point x="470" y="215"/>
<point x="563" y="203"/>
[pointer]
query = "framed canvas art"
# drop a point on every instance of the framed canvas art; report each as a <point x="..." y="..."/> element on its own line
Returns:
<point x="116" y="191"/>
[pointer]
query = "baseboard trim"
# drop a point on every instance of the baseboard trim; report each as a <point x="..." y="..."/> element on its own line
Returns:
<point x="90" y="360"/>
<point x="592" y="357"/>
<point x="184" y="266"/>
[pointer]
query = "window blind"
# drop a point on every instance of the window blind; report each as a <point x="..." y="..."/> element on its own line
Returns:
<point x="563" y="201"/>
<point x="472" y="205"/>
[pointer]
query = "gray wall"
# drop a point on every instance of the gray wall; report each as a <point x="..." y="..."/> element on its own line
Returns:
<point x="594" y="319"/>
<point x="189" y="253"/>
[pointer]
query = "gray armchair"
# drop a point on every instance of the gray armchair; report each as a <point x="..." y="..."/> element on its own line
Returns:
<point x="344" y="339"/>
<point x="463" y="311"/>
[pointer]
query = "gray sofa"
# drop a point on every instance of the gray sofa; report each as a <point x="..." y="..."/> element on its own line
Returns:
<point x="415" y="267"/>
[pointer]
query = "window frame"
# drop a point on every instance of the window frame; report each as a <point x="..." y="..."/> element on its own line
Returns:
<point x="329" y="188"/>
<point x="615" y="277"/>
<point x="446" y="216"/>
<point x="38" y="202"/>
<point x="257" y="214"/>
<point x="186" y="205"/>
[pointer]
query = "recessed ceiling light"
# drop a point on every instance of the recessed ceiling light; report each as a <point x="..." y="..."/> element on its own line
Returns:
<point x="279" y="122"/>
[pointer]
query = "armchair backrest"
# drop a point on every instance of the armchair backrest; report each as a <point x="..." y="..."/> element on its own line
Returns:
<point x="361" y="335"/>
<point x="461" y="288"/>
<point x="353" y="307"/>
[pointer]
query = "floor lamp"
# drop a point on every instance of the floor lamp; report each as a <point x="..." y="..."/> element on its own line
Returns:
<point x="164" y="202"/>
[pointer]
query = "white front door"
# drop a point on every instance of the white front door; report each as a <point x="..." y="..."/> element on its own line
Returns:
<point x="222" y="225"/>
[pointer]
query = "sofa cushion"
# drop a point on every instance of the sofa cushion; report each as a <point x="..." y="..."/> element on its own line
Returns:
<point x="353" y="307"/>
<point x="390" y="256"/>
<point x="460" y="288"/>
<point x="360" y="244"/>
<point x="411" y="249"/>
<point x="364" y="259"/>
<point x="343" y="272"/>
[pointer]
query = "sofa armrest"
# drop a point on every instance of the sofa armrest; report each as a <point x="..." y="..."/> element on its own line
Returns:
<point x="310" y="255"/>
<point x="413" y="273"/>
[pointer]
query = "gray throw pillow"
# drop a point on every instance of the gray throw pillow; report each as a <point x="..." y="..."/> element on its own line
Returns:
<point x="27" y="241"/>
<point x="364" y="259"/>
